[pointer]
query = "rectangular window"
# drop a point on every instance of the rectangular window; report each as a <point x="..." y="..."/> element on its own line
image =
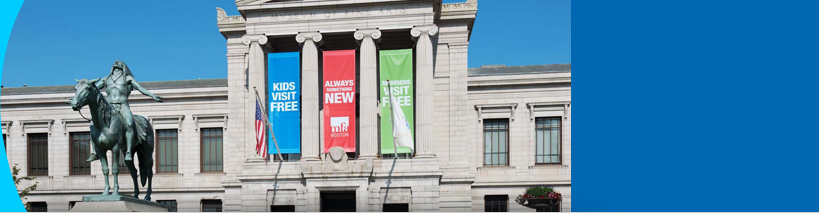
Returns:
<point x="122" y="167"/>
<point x="4" y="144"/>
<point x="71" y="204"/>
<point x="211" y="205"/>
<point x="283" y="208"/>
<point x="548" y="137"/>
<point x="167" y="151"/>
<point x="37" y="207"/>
<point x="287" y="157"/>
<point x="169" y="204"/>
<point x="496" y="203"/>
<point x="38" y="154"/>
<point x="211" y="149"/>
<point x="79" y="151"/>
<point x="400" y="156"/>
<point x="495" y="139"/>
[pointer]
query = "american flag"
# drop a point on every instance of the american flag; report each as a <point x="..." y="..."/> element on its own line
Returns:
<point x="261" y="139"/>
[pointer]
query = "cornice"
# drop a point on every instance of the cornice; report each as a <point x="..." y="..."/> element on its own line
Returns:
<point x="223" y="18"/>
<point x="505" y="80"/>
<point x="228" y="24"/>
<point x="61" y="98"/>
<point x="249" y="5"/>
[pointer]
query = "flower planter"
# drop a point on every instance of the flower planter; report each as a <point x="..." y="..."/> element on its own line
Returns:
<point x="538" y="202"/>
<point x="540" y="198"/>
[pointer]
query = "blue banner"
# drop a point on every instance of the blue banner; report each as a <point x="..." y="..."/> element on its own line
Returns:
<point x="284" y="93"/>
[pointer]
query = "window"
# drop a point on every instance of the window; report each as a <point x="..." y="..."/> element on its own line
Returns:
<point x="283" y="208"/>
<point x="5" y="147"/>
<point x="548" y="140"/>
<point x="37" y="207"/>
<point x="211" y="205"/>
<point x="122" y="167"/>
<point x="167" y="145"/>
<point x="211" y="149"/>
<point x="169" y="204"/>
<point x="400" y="156"/>
<point x="287" y="157"/>
<point x="495" y="139"/>
<point x="79" y="151"/>
<point x="71" y="204"/>
<point x="38" y="154"/>
<point x="496" y="203"/>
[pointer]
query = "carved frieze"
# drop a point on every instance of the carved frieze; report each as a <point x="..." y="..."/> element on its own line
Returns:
<point x="468" y="5"/>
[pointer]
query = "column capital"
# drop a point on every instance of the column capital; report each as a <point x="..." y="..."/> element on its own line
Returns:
<point x="418" y="31"/>
<point x="314" y="36"/>
<point x="247" y="39"/>
<point x="375" y="34"/>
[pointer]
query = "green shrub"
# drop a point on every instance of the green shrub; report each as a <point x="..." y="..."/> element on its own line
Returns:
<point x="539" y="191"/>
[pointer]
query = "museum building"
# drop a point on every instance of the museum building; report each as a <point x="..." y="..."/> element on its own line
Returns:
<point x="323" y="72"/>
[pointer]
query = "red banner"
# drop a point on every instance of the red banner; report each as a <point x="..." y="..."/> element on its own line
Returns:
<point x="339" y="100"/>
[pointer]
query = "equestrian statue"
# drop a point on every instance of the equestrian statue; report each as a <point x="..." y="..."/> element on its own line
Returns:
<point x="114" y="128"/>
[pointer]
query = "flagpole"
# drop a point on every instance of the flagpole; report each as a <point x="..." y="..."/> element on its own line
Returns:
<point x="394" y="145"/>
<point x="267" y="123"/>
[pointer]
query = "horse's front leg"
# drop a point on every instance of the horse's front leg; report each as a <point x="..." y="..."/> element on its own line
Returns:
<point x="104" y="161"/>
<point x="116" y="155"/>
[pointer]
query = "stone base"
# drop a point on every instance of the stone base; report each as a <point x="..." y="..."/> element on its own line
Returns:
<point x="116" y="203"/>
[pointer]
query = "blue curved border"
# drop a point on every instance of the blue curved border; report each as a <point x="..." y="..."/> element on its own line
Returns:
<point x="8" y="192"/>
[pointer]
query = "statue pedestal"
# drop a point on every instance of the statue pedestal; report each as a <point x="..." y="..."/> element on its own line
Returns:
<point x="116" y="203"/>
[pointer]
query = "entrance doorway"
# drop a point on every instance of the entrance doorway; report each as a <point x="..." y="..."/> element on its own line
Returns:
<point x="397" y="207"/>
<point x="338" y="201"/>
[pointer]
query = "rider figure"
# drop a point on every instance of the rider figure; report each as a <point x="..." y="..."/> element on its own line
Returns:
<point x="119" y="84"/>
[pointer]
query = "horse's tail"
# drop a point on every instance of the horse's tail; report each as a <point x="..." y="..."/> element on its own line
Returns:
<point x="145" y="133"/>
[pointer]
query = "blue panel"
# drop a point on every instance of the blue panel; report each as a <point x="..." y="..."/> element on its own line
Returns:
<point x="10" y="200"/>
<point x="283" y="95"/>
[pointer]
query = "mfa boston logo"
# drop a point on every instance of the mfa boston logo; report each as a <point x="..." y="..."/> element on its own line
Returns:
<point x="339" y="124"/>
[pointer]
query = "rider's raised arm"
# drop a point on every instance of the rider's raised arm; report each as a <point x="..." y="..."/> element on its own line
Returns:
<point x="136" y="85"/>
<point x="101" y="83"/>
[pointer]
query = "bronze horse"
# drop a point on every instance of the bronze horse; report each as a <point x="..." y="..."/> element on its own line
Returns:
<point x="108" y="133"/>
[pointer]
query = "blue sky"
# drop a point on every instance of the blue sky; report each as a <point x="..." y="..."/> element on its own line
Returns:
<point x="53" y="42"/>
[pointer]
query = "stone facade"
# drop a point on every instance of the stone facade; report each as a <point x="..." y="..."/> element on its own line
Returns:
<point x="447" y="174"/>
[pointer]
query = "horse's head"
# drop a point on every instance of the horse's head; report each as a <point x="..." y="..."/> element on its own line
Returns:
<point x="83" y="89"/>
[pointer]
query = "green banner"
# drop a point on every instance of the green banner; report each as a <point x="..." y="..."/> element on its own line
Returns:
<point x="396" y="66"/>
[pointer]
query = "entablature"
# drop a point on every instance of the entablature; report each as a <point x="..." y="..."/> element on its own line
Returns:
<point x="505" y="80"/>
<point x="218" y="120"/>
<point x="249" y="5"/>
<point x="166" y="122"/>
<point x="554" y="108"/>
<point x="61" y="98"/>
<point x="504" y="110"/>
<point x="36" y="126"/>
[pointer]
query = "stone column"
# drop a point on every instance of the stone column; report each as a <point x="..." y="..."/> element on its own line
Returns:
<point x="424" y="90"/>
<point x="369" y="91"/>
<point x="310" y="95"/>
<point x="256" y="78"/>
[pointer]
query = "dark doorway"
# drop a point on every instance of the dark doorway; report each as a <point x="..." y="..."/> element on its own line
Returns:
<point x="283" y="208"/>
<point x="338" y="201"/>
<point x="397" y="207"/>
